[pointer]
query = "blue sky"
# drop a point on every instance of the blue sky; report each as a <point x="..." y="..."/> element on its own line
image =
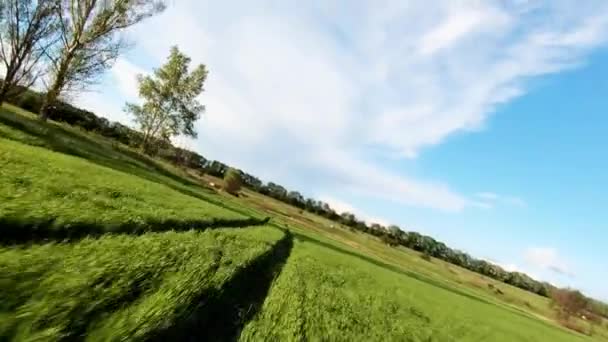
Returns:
<point x="480" y="123"/>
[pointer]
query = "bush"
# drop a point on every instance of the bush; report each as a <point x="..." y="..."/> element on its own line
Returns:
<point x="426" y="256"/>
<point x="573" y="326"/>
<point x="232" y="181"/>
<point x="29" y="101"/>
<point x="389" y="240"/>
<point x="568" y="302"/>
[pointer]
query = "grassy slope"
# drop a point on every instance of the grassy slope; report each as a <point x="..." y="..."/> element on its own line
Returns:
<point x="327" y="294"/>
<point x="46" y="195"/>
<point x="368" y="258"/>
<point x="127" y="286"/>
<point x="438" y="270"/>
<point x="19" y="125"/>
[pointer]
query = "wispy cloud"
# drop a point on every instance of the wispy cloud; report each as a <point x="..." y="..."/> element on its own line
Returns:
<point x="321" y="95"/>
<point x="549" y="259"/>
<point x="341" y="206"/>
<point x="489" y="200"/>
<point x="514" y="267"/>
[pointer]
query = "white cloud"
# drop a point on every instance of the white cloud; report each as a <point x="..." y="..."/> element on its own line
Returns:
<point x="488" y="200"/>
<point x="321" y="97"/>
<point x="124" y="74"/>
<point x="344" y="207"/>
<point x="514" y="267"/>
<point x="338" y="205"/>
<point x="511" y="267"/>
<point x="547" y="258"/>
<point x="102" y="105"/>
<point x="460" y="22"/>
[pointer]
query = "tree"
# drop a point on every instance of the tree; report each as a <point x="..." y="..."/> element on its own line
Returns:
<point x="170" y="106"/>
<point x="296" y="199"/>
<point x="27" y="29"/>
<point x="568" y="302"/>
<point x="90" y="41"/>
<point x="394" y="230"/>
<point x="232" y="181"/>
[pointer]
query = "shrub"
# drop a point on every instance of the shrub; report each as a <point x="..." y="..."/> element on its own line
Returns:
<point x="232" y="181"/>
<point x="389" y="240"/>
<point x="573" y="326"/>
<point x="29" y="101"/>
<point x="426" y="256"/>
<point x="568" y="302"/>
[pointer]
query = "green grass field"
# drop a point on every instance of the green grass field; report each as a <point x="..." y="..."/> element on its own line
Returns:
<point x="325" y="293"/>
<point x="103" y="243"/>
<point x="47" y="194"/>
<point x="122" y="285"/>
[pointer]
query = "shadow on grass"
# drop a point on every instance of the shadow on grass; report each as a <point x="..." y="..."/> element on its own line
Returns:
<point x="18" y="231"/>
<point x="79" y="318"/>
<point x="221" y="316"/>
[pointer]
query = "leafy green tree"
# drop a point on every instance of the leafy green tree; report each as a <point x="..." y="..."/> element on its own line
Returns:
<point x="296" y="199"/>
<point x="170" y="106"/>
<point x="232" y="181"/>
<point x="89" y="41"/>
<point x="395" y="230"/>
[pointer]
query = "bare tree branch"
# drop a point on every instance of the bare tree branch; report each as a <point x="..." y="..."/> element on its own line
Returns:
<point x="27" y="28"/>
<point x="91" y="41"/>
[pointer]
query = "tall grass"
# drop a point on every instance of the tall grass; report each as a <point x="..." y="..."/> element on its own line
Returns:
<point x="120" y="287"/>
<point x="45" y="194"/>
<point x="324" y="293"/>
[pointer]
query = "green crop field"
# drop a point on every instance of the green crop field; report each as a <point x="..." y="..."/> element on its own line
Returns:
<point x="100" y="242"/>
<point x="326" y="292"/>
<point x="46" y="193"/>
<point x="136" y="287"/>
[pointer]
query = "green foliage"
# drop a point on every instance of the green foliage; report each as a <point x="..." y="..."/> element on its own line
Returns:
<point x="170" y="106"/>
<point x="120" y="286"/>
<point x="426" y="257"/>
<point x="599" y="308"/>
<point x="232" y="181"/>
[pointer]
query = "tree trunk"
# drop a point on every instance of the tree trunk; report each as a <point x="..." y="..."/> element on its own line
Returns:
<point x="7" y="81"/>
<point x="49" y="101"/>
<point x="144" y="143"/>
<point x="44" y="108"/>
<point x="58" y="84"/>
<point x="3" y="92"/>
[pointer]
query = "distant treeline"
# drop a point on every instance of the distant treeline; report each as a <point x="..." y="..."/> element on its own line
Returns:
<point x="391" y="235"/>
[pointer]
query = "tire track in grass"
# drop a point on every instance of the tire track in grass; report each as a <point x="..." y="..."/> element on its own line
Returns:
<point x="221" y="316"/>
<point x="122" y="287"/>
